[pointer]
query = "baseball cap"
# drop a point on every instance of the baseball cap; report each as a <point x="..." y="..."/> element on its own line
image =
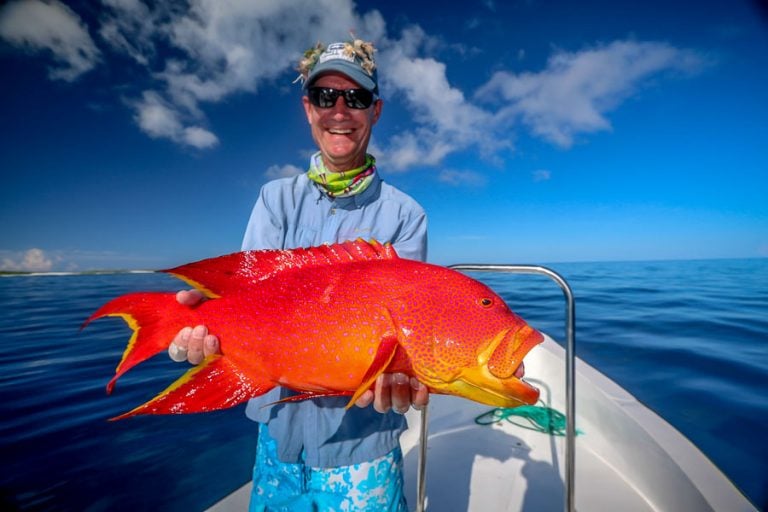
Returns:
<point x="353" y="59"/>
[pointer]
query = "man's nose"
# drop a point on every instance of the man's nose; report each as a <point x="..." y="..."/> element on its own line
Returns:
<point x="340" y="107"/>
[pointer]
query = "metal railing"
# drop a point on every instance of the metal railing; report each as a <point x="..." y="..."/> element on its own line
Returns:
<point x="570" y="384"/>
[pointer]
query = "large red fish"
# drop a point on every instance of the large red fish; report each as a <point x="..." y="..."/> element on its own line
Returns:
<point x="326" y="321"/>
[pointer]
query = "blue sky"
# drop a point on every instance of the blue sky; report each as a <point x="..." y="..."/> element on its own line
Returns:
<point x="531" y="131"/>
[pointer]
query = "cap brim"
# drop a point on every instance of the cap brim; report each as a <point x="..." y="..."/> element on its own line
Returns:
<point x="349" y="69"/>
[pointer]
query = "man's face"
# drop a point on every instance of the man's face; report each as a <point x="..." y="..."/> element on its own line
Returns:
<point x="341" y="133"/>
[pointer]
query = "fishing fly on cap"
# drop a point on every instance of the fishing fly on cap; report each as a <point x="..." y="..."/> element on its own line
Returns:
<point x="351" y="58"/>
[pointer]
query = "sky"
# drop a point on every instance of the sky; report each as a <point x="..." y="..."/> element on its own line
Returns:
<point x="136" y="135"/>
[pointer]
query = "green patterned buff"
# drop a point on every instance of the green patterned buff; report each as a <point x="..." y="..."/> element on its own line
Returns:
<point x="345" y="183"/>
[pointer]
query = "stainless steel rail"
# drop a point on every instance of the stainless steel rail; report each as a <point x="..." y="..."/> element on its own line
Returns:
<point x="570" y="383"/>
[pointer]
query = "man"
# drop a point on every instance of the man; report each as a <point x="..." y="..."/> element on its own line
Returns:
<point x="314" y="454"/>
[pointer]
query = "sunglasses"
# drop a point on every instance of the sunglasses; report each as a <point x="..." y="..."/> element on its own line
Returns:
<point x="325" y="97"/>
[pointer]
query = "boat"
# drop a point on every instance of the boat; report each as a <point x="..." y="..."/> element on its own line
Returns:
<point x="616" y="454"/>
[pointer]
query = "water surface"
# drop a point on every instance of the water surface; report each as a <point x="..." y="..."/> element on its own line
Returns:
<point x="688" y="338"/>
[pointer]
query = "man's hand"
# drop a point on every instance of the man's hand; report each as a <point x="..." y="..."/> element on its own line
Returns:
<point x="192" y="344"/>
<point x="395" y="391"/>
<point x="398" y="392"/>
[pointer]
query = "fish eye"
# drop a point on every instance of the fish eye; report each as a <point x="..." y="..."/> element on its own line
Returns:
<point x="486" y="302"/>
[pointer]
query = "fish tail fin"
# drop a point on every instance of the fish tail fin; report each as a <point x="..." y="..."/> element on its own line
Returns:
<point x="216" y="383"/>
<point x="155" y="319"/>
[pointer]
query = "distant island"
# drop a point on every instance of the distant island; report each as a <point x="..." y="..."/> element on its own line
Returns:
<point x="10" y="273"/>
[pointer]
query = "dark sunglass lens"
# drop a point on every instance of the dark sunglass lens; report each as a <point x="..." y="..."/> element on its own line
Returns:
<point x="358" y="98"/>
<point x="323" y="97"/>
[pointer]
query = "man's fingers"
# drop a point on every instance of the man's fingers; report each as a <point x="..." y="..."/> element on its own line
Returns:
<point x="193" y="345"/>
<point x="189" y="297"/>
<point x="195" y="354"/>
<point x="419" y="394"/>
<point x="182" y="339"/>
<point x="210" y="345"/>
<point x="177" y="353"/>
<point x="190" y="344"/>
<point x="382" y="400"/>
<point x="401" y="393"/>
<point x="398" y="392"/>
<point x="177" y="350"/>
<point x="365" y="399"/>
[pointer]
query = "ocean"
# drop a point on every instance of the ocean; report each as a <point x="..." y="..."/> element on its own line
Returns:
<point x="687" y="338"/>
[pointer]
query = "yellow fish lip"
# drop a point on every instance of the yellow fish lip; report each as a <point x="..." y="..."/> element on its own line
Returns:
<point x="482" y="386"/>
<point x="478" y="383"/>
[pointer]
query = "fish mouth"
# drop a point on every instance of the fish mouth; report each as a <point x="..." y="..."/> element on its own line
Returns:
<point x="482" y="386"/>
<point x="486" y="384"/>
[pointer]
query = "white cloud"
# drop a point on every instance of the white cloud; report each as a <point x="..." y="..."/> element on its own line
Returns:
<point x="159" y="119"/>
<point x="570" y="97"/>
<point x="462" y="178"/>
<point x="198" y="137"/>
<point x="53" y="27"/>
<point x="214" y="49"/>
<point x="283" y="171"/>
<point x="576" y="90"/>
<point x="220" y="48"/>
<point x="542" y="175"/>
<point x="412" y="149"/>
<point x="445" y="121"/>
<point x="32" y="260"/>
<point x="435" y="102"/>
<point x="69" y="260"/>
<point x="128" y="26"/>
<point x="156" y="117"/>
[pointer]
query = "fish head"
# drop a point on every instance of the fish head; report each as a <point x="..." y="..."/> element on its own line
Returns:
<point x="476" y="345"/>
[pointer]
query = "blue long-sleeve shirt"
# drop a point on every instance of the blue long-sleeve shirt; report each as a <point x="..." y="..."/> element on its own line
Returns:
<point x="294" y="212"/>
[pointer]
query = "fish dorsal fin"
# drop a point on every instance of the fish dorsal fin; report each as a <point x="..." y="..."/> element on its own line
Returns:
<point x="217" y="276"/>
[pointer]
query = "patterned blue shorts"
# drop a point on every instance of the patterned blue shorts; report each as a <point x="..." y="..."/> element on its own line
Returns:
<point x="370" y="486"/>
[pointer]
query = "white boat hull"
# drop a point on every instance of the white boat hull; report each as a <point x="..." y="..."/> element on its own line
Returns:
<point x="628" y="458"/>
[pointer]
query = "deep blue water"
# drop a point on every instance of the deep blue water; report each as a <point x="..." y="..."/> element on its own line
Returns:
<point x="688" y="338"/>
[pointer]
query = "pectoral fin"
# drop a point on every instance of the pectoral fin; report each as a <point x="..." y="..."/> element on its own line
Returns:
<point x="384" y="356"/>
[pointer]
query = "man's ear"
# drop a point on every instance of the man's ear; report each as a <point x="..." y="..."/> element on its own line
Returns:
<point x="307" y="107"/>
<point x="377" y="110"/>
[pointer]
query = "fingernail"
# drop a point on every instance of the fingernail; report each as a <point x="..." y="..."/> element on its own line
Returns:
<point x="401" y="378"/>
<point x="177" y="353"/>
<point x="211" y="343"/>
<point x="415" y="384"/>
<point x="186" y="333"/>
<point x="199" y="331"/>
